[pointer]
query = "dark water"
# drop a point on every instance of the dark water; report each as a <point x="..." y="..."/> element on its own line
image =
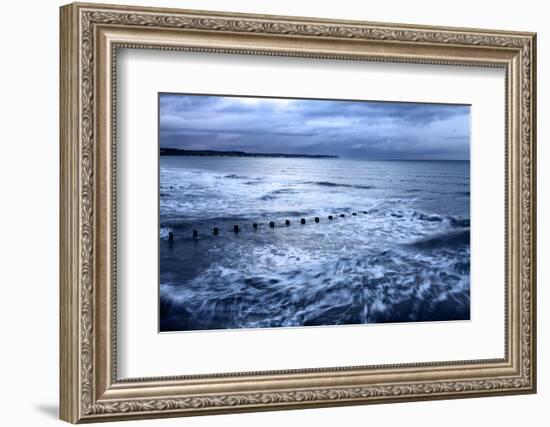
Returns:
<point x="404" y="256"/>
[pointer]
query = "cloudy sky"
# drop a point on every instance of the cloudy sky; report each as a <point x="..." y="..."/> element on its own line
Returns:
<point x="372" y="130"/>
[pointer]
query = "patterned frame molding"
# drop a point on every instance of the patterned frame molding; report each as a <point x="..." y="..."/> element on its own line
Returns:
<point x="90" y="36"/>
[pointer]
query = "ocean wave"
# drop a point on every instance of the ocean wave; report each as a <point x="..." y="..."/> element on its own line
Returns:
<point x="451" y="239"/>
<point x="235" y="176"/>
<point x="427" y="217"/>
<point x="285" y="191"/>
<point x="335" y="184"/>
<point x="278" y="192"/>
<point x="452" y="220"/>
<point x="391" y="286"/>
<point x="250" y="179"/>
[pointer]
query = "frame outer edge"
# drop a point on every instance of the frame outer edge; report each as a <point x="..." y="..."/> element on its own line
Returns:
<point x="69" y="354"/>
<point x="534" y="270"/>
<point x="305" y="19"/>
<point x="77" y="339"/>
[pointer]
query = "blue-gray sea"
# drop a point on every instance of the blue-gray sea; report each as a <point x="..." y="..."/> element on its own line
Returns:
<point x="403" y="257"/>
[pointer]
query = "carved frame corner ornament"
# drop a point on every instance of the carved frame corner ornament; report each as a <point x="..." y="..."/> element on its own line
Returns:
<point x="90" y="37"/>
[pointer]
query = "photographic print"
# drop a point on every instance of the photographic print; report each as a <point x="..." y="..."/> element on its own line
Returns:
<point x="283" y="212"/>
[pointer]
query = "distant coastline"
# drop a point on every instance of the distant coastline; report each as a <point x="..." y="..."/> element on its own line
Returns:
<point x="216" y="153"/>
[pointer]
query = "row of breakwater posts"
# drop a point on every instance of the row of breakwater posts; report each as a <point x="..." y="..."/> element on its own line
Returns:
<point x="237" y="228"/>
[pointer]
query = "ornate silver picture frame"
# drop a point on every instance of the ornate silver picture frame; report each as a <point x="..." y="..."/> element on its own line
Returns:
<point x="91" y="37"/>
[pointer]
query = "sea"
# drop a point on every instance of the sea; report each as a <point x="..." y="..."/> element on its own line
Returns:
<point x="397" y="248"/>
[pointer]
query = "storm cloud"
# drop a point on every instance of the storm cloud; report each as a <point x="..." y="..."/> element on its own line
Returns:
<point x="360" y="129"/>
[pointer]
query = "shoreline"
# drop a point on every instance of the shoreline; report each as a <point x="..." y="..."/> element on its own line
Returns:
<point x="215" y="153"/>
